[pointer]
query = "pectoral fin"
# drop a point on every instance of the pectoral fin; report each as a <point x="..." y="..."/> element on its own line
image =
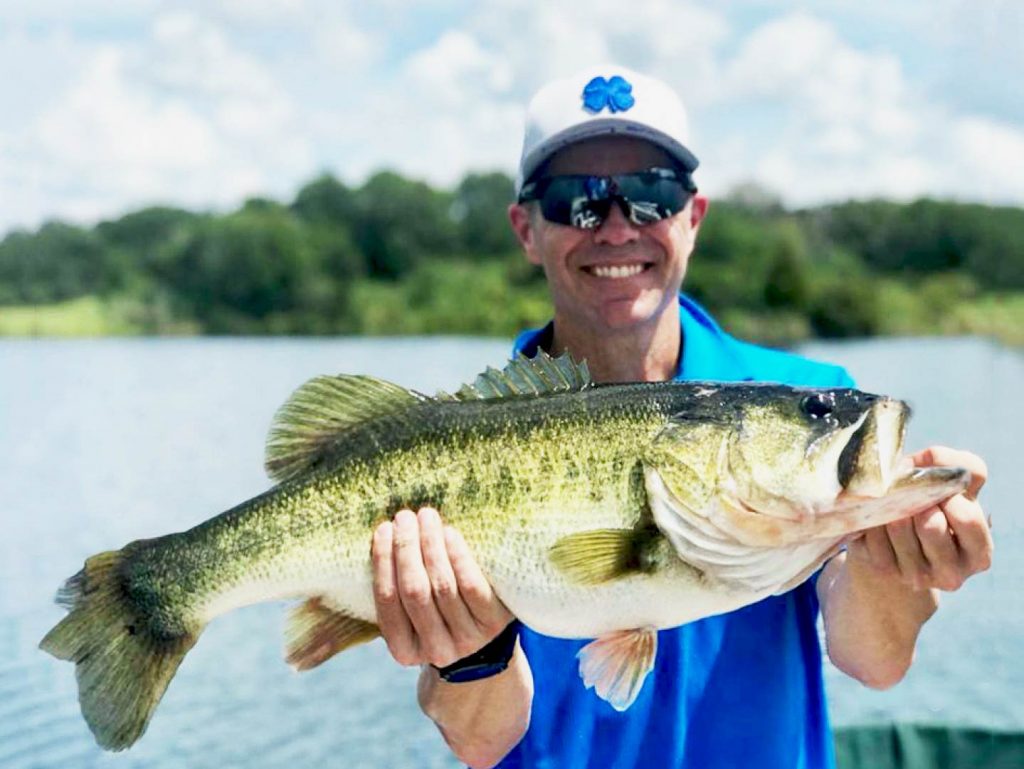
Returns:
<point x="315" y="633"/>
<point x="615" y="665"/>
<point x="600" y="555"/>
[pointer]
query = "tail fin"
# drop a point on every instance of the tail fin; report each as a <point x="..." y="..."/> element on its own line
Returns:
<point x="123" y="666"/>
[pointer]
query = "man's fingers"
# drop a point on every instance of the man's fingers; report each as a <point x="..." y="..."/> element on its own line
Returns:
<point x="875" y="542"/>
<point x="417" y="594"/>
<point x="943" y="456"/>
<point x="939" y="549"/>
<point x="461" y="625"/>
<point x="489" y="612"/>
<point x="913" y="565"/>
<point x="968" y="522"/>
<point x="391" y="617"/>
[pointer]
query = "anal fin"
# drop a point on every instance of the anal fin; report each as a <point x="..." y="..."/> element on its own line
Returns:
<point x="314" y="633"/>
<point x="617" y="663"/>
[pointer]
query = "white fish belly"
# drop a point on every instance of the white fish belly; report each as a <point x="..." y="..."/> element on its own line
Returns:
<point x="346" y="584"/>
<point x="668" y="599"/>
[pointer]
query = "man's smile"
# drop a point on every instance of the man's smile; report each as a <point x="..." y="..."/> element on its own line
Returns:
<point x="617" y="271"/>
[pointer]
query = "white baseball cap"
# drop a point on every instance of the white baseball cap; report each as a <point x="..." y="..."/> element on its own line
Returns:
<point x="602" y="101"/>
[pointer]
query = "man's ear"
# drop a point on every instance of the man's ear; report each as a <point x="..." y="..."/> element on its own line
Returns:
<point x="522" y="226"/>
<point x="698" y="210"/>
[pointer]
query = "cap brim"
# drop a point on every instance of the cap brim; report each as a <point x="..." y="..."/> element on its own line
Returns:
<point x="611" y="127"/>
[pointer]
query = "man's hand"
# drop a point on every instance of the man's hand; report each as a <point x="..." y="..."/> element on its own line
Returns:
<point x="876" y="596"/>
<point x="941" y="547"/>
<point x="434" y="604"/>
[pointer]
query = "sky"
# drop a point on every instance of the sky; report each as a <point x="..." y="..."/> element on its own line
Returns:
<point x="112" y="106"/>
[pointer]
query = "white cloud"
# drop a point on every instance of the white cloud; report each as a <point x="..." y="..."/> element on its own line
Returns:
<point x="457" y="104"/>
<point x="342" y="46"/>
<point x="104" y="114"/>
<point x="192" y="56"/>
<point x="261" y="11"/>
<point x="802" y="62"/>
<point x="456" y="69"/>
<point x="849" y="123"/>
<point x="988" y="158"/>
<point x="211" y="102"/>
<point x="180" y="116"/>
<point x="670" y="39"/>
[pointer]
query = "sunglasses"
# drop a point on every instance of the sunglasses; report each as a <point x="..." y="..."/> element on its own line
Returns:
<point x="585" y="201"/>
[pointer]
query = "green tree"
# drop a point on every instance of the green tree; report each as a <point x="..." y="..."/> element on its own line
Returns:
<point x="729" y="267"/>
<point x="144" y="230"/>
<point x="325" y="200"/>
<point x="480" y="208"/>
<point x="398" y="222"/>
<point x="788" y="280"/>
<point x="58" y="262"/>
<point x="846" y="304"/>
<point x="250" y="271"/>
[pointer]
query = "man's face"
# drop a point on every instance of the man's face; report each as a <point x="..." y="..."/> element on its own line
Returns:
<point x="619" y="275"/>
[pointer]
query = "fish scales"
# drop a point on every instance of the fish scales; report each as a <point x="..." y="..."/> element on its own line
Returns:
<point x="479" y="462"/>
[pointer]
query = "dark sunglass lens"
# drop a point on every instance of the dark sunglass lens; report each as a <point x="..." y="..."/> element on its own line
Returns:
<point x="646" y="212"/>
<point x="570" y="200"/>
<point x="654" y="194"/>
<point x="589" y="214"/>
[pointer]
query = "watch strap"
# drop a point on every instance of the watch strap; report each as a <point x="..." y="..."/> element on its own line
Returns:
<point x="488" y="661"/>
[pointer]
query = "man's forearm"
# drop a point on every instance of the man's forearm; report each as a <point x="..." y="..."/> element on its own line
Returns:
<point x="871" y="620"/>
<point x="480" y="720"/>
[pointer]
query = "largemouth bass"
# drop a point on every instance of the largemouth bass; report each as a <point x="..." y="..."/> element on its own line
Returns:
<point x="596" y="511"/>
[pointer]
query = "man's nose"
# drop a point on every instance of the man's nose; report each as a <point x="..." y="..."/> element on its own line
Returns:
<point x="616" y="229"/>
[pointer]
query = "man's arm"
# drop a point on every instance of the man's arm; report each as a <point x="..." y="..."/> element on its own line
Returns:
<point x="877" y="595"/>
<point x="434" y="606"/>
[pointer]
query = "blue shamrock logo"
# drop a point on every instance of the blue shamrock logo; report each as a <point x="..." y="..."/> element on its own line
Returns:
<point x="614" y="93"/>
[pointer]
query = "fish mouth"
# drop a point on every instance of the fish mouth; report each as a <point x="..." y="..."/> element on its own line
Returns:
<point x="850" y="455"/>
<point x="871" y="461"/>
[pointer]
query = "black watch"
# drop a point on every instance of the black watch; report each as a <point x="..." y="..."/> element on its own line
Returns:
<point x="488" y="661"/>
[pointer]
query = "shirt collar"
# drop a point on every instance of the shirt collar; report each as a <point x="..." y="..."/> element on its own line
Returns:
<point x="708" y="352"/>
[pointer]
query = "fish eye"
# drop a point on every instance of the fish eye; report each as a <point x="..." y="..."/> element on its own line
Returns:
<point x="817" y="405"/>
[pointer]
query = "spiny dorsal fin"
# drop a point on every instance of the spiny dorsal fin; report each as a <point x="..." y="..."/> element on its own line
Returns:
<point x="307" y="424"/>
<point x="527" y="376"/>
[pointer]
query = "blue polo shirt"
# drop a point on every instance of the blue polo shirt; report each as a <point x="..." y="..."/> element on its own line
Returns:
<point x="742" y="689"/>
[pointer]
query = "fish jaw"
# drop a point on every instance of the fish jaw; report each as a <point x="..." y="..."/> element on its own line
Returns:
<point x="909" y="495"/>
<point x="914" y="492"/>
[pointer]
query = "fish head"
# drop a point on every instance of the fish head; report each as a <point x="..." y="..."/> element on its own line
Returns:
<point x="793" y="452"/>
<point x="766" y="465"/>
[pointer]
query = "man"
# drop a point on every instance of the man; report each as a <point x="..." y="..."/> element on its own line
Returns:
<point x="740" y="689"/>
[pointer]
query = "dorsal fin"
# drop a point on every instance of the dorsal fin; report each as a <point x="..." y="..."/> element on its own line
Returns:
<point x="312" y="418"/>
<point x="527" y="376"/>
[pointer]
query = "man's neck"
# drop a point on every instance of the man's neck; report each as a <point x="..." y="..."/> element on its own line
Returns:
<point x="648" y="353"/>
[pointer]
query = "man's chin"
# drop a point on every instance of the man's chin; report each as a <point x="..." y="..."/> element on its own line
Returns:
<point x="624" y="314"/>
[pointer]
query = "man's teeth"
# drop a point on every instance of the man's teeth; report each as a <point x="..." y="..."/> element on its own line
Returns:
<point x="616" y="271"/>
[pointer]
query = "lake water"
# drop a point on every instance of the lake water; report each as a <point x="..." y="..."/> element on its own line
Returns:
<point x="112" y="440"/>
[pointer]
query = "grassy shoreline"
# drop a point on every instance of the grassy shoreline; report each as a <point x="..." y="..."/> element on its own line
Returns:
<point x="999" y="316"/>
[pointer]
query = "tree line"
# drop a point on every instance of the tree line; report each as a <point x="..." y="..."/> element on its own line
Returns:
<point x="396" y="255"/>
